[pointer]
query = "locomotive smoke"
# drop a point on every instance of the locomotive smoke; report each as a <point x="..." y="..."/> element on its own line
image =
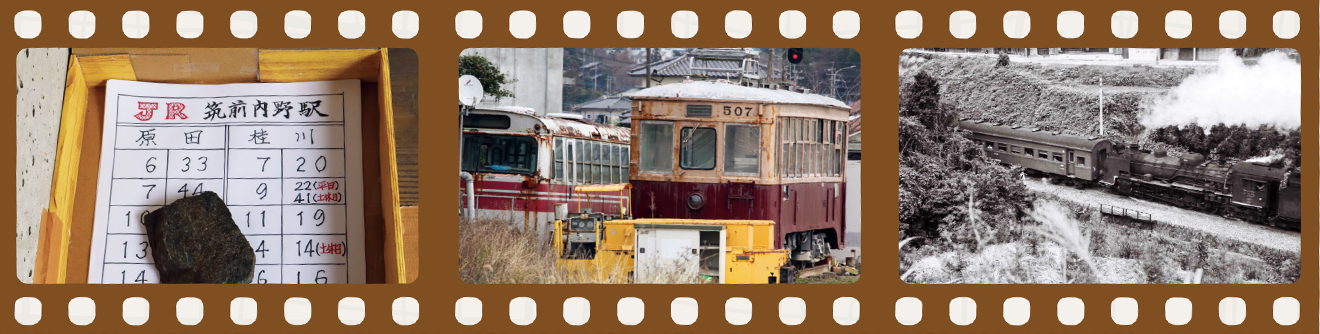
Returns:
<point x="1269" y="93"/>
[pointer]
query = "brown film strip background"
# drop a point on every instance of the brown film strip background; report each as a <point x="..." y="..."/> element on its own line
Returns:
<point x="880" y="32"/>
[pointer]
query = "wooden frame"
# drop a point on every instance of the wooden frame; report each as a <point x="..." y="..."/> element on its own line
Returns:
<point x="65" y="239"/>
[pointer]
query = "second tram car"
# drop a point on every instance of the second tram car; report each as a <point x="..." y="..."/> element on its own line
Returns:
<point x="714" y="150"/>
<point x="523" y="165"/>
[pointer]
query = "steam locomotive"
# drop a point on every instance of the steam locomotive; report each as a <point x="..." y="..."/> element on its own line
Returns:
<point x="1250" y="191"/>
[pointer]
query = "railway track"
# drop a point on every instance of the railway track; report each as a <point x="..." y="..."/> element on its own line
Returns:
<point x="1266" y="236"/>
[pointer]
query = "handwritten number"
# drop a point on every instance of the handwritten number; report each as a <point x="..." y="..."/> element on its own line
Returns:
<point x="123" y="276"/>
<point x="264" y="160"/>
<point x="299" y="243"/>
<point x="144" y="250"/>
<point x="261" y="248"/>
<point x="203" y="161"/>
<point x="321" y="279"/>
<point x="142" y="277"/>
<point x="186" y="162"/>
<point x="152" y="186"/>
<point x="261" y="190"/>
<point x="319" y="215"/>
<point x="259" y="279"/>
<point x="300" y="219"/>
<point x="128" y="220"/>
<point x="304" y="162"/>
<point x="320" y="164"/>
<point x="151" y="168"/>
<point x="198" y="190"/>
<point x="126" y="249"/>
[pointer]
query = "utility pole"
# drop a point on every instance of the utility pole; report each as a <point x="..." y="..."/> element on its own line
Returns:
<point x="770" y="72"/>
<point x="1102" y="106"/>
<point x="648" y="67"/>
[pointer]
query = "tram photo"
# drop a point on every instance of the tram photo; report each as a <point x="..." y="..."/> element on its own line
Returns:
<point x="704" y="174"/>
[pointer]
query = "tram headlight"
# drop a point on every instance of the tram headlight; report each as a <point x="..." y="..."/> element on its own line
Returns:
<point x="696" y="201"/>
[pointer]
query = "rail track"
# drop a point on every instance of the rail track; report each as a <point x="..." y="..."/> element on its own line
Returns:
<point x="1164" y="214"/>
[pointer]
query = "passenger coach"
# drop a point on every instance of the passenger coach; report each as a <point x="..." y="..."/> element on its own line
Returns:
<point x="1071" y="159"/>
<point x="704" y="150"/>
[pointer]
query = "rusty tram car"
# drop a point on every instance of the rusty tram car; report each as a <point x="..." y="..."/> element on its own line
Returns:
<point x="521" y="165"/>
<point x="720" y="151"/>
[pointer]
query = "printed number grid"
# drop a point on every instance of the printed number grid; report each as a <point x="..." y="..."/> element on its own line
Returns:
<point x="284" y="184"/>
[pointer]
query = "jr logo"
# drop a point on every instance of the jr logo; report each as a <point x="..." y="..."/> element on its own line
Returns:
<point x="173" y="110"/>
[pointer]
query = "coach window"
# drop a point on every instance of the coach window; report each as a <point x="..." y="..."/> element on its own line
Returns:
<point x="1003" y="148"/>
<point x="697" y="150"/>
<point x="1029" y="152"/>
<point x="499" y="154"/>
<point x="1057" y="157"/>
<point x="1015" y="149"/>
<point x="989" y="145"/>
<point x="657" y="147"/>
<point x="742" y="149"/>
<point x="1081" y="161"/>
<point x="1044" y="154"/>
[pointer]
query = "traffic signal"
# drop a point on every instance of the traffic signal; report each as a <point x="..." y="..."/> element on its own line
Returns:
<point x="794" y="55"/>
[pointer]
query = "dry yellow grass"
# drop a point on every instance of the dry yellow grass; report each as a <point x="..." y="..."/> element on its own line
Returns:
<point x="492" y="251"/>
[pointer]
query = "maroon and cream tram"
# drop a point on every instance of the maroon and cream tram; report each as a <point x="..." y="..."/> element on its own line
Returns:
<point x="704" y="150"/>
<point x="522" y="165"/>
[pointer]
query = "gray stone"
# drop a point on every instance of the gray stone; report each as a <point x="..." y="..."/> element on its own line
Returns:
<point x="195" y="240"/>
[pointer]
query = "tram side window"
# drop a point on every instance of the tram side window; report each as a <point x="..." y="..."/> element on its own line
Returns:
<point x="1081" y="161"/>
<point x="1044" y="154"/>
<point x="559" y="160"/>
<point x="614" y="164"/>
<point x="568" y="163"/>
<point x="828" y="146"/>
<point x="698" y="148"/>
<point x="583" y="177"/>
<point x="782" y="136"/>
<point x="1003" y="148"/>
<point x="839" y="145"/>
<point x="742" y="149"/>
<point x="1015" y="149"/>
<point x="595" y="163"/>
<point x="624" y="162"/>
<point x="657" y="147"/>
<point x="499" y="154"/>
<point x="1030" y="152"/>
<point x="1057" y="157"/>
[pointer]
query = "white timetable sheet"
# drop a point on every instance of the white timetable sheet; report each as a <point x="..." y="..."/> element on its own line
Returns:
<point x="285" y="157"/>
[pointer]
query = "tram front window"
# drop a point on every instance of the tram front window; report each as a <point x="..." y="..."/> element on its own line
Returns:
<point x="742" y="149"/>
<point x="499" y="154"/>
<point x="657" y="147"/>
<point x="698" y="148"/>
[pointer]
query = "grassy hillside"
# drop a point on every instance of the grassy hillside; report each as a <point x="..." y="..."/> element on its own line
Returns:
<point x="1054" y="97"/>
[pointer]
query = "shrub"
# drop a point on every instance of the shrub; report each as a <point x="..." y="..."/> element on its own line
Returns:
<point x="1003" y="60"/>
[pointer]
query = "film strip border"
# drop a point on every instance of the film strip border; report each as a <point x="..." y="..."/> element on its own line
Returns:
<point x="469" y="24"/>
<point x="792" y="310"/>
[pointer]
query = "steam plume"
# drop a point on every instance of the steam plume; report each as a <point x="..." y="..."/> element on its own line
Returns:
<point x="1268" y="93"/>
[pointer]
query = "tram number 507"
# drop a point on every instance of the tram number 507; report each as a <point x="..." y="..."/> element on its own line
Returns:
<point x="737" y="111"/>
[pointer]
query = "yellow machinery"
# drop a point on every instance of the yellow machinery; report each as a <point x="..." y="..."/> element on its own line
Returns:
<point x="598" y="248"/>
